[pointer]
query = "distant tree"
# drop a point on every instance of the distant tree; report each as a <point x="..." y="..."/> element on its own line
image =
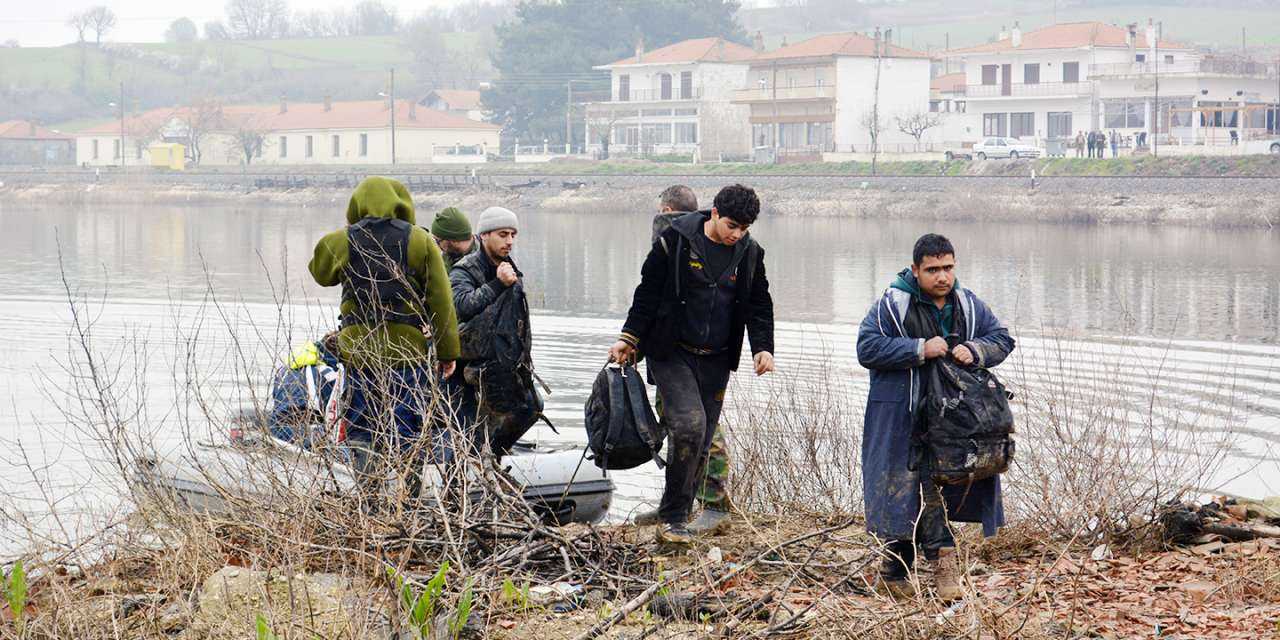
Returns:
<point x="344" y="23"/>
<point x="312" y="24"/>
<point x="181" y="30"/>
<point x="216" y="30"/>
<point x="249" y="141"/>
<point x="79" y="22"/>
<point x="481" y="15"/>
<point x="257" y="19"/>
<point x="101" y="20"/>
<point x="432" y="61"/>
<point x="376" y="18"/>
<point x="545" y="44"/>
<point x="916" y="124"/>
<point x="202" y="117"/>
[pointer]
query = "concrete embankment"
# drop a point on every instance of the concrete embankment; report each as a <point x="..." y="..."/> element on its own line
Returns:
<point x="1190" y="201"/>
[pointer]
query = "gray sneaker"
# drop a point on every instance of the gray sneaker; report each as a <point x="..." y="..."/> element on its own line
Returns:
<point x="710" y="522"/>
<point x="647" y="518"/>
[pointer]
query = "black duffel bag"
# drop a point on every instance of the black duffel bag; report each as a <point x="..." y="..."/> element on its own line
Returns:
<point x="622" y="432"/>
<point x="967" y="425"/>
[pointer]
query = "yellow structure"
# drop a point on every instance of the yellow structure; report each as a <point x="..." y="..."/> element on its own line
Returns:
<point x="170" y="155"/>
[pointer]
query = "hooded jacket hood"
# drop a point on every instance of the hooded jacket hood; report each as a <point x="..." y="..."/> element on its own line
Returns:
<point x="379" y="197"/>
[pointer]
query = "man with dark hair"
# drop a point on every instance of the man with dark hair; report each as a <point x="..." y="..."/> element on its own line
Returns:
<point x="702" y="287"/>
<point x="922" y="316"/>
<point x="675" y="201"/>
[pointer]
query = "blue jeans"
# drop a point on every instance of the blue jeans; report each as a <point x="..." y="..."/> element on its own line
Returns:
<point x="389" y="409"/>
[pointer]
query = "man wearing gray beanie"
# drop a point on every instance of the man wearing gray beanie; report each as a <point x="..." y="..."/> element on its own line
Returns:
<point x="478" y="280"/>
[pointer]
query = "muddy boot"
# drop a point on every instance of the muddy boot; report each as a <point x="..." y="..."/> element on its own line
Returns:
<point x="894" y="577"/>
<point x="647" y="518"/>
<point x="674" y="535"/>
<point x="710" y="522"/>
<point x="947" y="575"/>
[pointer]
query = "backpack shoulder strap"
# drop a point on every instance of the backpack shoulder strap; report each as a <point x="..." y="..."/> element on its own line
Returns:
<point x="646" y="423"/>
<point x="618" y="412"/>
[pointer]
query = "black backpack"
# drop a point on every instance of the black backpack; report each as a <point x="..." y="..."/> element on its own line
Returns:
<point x="966" y="424"/>
<point x="622" y="432"/>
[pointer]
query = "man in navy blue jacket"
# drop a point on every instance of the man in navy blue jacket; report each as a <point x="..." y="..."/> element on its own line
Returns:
<point x="923" y="315"/>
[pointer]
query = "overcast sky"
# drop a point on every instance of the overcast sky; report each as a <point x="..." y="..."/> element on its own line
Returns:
<point x="35" y="23"/>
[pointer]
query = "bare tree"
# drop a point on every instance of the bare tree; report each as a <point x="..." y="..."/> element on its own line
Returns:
<point x="202" y="116"/>
<point x="101" y="20"/>
<point x="376" y="18"/>
<point x="248" y="140"/>
<point x="79" y="22"/>
<point x="216" y="30"/>
<point x="874" y="125"/>
<point x="257" y="19"/>
<point x="432" y="60"/>
<point x="916" y="124"/>
<point x="312" y="24"/>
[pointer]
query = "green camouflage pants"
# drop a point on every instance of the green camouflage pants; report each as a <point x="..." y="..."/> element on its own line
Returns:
<point x="714" y="493"/>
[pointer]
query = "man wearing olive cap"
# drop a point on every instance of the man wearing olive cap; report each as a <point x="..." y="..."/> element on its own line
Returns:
<point x="452" y="232"/>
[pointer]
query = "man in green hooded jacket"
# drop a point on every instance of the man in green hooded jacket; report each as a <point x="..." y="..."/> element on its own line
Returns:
<point x="396" y="305"/>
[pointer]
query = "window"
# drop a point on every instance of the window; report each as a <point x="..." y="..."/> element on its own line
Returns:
<point x="995" y="124"/>
<point x="1031" y="73"/>
<point x="1168" y="59"/>
<point x="664" y="88"/>
<point x="819" y="78"/>
<point x="1141" y="57"/>
<point x="1059" y="124"/>
<point x="364" y="145"/>
<point x="337" y="146"/>
<point x="934" y="106"/>
<point x="685" y="112"/>
<point x="820" y="134"/>
<point x="686" y="133"/>
<point x="310" y="147"/>
<point x="1022" y="125"/>
<point x="1071" y="72"/>
<point x="1124" y="114"/>
<point x="115" y="149"/>
<point x="686" y="85"/>
<point x="989" y="73"/>
<point x="284" y="147"/>
<point x="137" y="150"/>
<point x="791" y="135"/>
<point x="624" y="88"/>
<point x="95" y="149"/>
<point x="960" y="106"/>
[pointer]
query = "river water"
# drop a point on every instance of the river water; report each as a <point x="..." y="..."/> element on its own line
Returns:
<point x="1188" y="316"/>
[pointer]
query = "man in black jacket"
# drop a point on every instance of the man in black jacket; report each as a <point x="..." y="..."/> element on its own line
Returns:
<point x="702" y="287"/>
<point x="477" y="280"/>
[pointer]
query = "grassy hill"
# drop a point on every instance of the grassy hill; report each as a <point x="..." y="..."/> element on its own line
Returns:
<point x="43" y="82"/>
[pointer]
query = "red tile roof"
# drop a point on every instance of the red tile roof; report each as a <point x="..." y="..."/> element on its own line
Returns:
<point x="366" y="114"/>
<point x="948" y="83"/>
<point x="700" y="50"/>
<point x="1070" y="35"/>
<point x="23" y="130"/>
<point x="837" y="44"/>
<point x="461" y="99"/>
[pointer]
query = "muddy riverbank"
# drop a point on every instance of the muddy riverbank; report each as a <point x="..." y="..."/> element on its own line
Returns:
<point x="1200" y="202"/>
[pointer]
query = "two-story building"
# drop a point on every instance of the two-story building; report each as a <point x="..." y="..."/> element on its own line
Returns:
<point x="820" y="94"/>
<point x="677" y="100"/>
<point x="1056" y="81"/>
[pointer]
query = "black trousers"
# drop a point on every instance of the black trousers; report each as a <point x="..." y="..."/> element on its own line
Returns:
<point x="692" y="390"/>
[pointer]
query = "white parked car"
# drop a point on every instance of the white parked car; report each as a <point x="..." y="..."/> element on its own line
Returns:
<point x="1011" y="148"/>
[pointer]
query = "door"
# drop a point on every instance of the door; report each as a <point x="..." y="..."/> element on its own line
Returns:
<point x="1059" y="124"/>
<point x="1006" y="79"/>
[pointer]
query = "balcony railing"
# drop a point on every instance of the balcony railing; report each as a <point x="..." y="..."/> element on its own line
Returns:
<point x="768" y="94"/>
<point x="1020" y="90"/>
<point x="1219" y="66"/>
<point x="659" y="95"/>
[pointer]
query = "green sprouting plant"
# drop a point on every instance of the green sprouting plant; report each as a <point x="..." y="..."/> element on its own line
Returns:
<point x="420" y="608"/>
<point x="463" y="613"/>
<point x="264" y="629"/>
<point x="15" y="593"/>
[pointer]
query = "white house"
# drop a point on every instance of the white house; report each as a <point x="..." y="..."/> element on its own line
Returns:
<point x="320" y="133"/>
<point x="1067" y="78"/>
<point x="677" y="99"/>
<point x="819" y="95"/>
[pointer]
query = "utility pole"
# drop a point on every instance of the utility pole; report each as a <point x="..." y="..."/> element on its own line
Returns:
<point x="392" y="93"/>
<point x="568" y="119"/>
<point x="122" y="124"/>
<point x="1155" y="125"/>
<point x="777" y="128"/>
